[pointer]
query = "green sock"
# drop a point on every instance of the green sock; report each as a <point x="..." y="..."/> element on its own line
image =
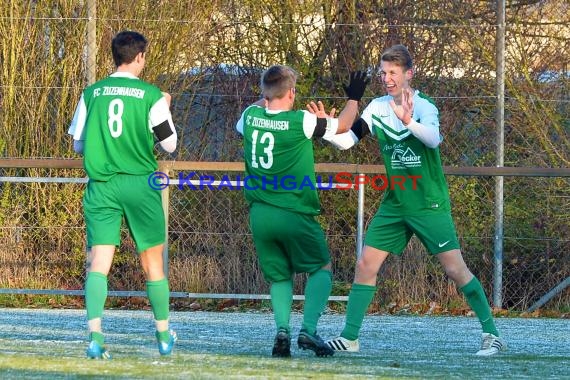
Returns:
<point x="97" y="337"/>
<point x="317" y="292"/>
<point x="159" y="296"/>
<point x="358" y="301"/>
<point x="95" y="294"/>
<point x="163" y="336"/>
<point x="281" y="301"/>
<point x="477" y="300"/>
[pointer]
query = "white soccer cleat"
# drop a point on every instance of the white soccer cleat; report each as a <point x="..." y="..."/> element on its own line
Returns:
<point x="491" y="345"/>
<point x="343" y="344"/>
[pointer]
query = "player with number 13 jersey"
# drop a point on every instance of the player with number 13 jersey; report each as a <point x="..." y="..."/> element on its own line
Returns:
<point x="280" y="190"/>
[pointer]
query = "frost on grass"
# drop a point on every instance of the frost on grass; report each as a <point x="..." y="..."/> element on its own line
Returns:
<point x="51" y="343"/>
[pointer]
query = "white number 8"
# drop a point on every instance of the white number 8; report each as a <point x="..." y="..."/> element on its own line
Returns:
<point x="115" y="120"/>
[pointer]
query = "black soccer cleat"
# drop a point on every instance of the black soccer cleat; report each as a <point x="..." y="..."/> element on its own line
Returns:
<point x="282" y="345"/>
<point x="314" y="343"/>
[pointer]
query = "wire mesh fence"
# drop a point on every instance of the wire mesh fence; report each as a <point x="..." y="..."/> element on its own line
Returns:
<point x="209" y="54"/>
<point x="211" y="250"/>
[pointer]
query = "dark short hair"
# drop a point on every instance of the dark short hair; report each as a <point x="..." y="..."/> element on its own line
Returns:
<point x="126" y="46"/>
<point x="398" y="54"/>
<point x="277" y="80"/>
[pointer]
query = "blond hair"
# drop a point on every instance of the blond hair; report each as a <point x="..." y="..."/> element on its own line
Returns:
<point x="399" y="55"/>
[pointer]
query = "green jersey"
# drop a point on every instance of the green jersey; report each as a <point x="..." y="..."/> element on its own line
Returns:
<point x="416" y="183"/>
<point x="114" y="119"/>
<point x="279" y="160"/>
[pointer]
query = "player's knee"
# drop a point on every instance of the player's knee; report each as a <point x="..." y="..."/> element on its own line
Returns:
<point x="458" y="273"/>
<point x="365" y="270"/>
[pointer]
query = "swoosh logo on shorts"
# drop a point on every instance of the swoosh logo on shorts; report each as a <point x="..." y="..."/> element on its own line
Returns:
<point x="443" y="244"/>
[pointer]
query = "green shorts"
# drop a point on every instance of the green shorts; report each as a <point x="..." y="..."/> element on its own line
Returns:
<point x="435" y="230"/>
<point x="106" y="203"/>
<point x="286" y="242"/>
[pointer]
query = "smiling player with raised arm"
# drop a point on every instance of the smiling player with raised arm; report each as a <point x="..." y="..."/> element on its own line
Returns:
<point x="406" y="124"/>
<point x="116" y="124"/>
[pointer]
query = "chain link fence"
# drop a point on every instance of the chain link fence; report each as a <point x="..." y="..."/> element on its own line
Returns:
<point x="211" y="250"/>
<point x="209" y="55"/>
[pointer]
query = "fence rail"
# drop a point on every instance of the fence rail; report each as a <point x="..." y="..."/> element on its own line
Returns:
<point x="55" y="163"/>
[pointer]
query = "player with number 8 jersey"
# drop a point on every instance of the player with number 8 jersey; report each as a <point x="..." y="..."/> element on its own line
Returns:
<point x="115" y="126"/>
<point x="124" y="113"/>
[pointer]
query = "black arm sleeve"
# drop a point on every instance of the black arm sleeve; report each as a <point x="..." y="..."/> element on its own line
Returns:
<point x="321" y="127"/>
<point x="162" y="131"/>
<point x="360" y="129"/>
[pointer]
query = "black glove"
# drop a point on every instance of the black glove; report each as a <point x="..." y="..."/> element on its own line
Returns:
<point x="357" y="85"/>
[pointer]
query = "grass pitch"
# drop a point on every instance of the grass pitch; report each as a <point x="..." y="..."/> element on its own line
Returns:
<point x="50" y="344"/>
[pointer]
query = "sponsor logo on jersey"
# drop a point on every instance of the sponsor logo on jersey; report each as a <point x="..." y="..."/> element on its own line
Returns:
<point x="402" y="159"/>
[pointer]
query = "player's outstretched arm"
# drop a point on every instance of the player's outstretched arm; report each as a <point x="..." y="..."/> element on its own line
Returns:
<point x="349" y="139"/>
<point x="354" y="91"/>
<point x="344" y="140"/>
<point x="349" y="131"/>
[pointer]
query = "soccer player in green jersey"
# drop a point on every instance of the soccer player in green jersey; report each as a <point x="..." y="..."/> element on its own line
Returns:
<point x="406" y="124"/>
<point x="116" y="124"/>
<point x="280" y="189"/>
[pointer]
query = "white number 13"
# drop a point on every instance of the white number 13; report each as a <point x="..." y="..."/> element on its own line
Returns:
<point x="268" y="140"/>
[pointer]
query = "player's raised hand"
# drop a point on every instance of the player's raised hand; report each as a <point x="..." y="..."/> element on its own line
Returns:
<point x="356" y="86"/>
<point x="408" y="101"/>
<point x="405" y="111"/>
<point x="319" y="109"/>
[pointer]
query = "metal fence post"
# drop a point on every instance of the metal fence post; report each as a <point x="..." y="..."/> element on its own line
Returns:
<point x="165" y="206"/>
<point x="91" y="60"/>
<point x="360" y="222"/>
<point x="499" y="180"/>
